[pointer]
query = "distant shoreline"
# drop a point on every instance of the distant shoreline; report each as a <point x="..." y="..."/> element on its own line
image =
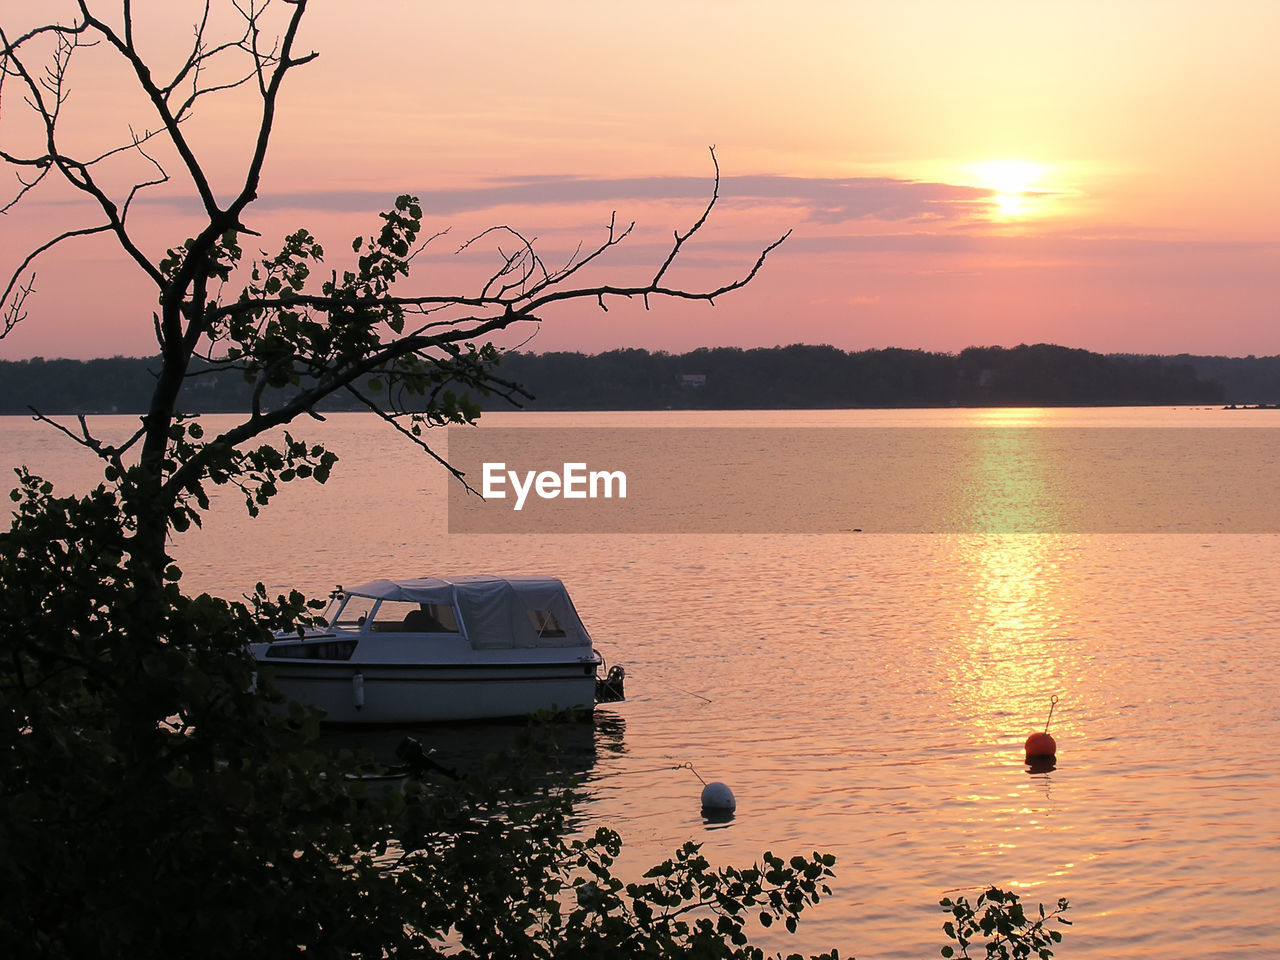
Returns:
<point x="799" y="377"/>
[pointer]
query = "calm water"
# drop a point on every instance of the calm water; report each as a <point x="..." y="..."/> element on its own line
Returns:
<point x="868" y="695"/>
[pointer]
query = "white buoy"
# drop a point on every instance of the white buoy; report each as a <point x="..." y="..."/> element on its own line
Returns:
<point x="357" y="690"/>
<point x="717" y="801"/>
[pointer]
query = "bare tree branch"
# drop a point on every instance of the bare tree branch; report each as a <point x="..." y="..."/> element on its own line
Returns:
<point x="74" y="172"/>
<point x="148" y="86"/>
<point x="161" y="176"/>
<point x="371" y="405"/>
<point x="13" y="310"/>
<point x="681" y="238"/>
<point x="511" y="296"/>
<point x="27" y="185"/>
<point x="105" y="451"/>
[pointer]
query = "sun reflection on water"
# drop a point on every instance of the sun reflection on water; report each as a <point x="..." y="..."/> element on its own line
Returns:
<point x="1010" y="484"/>
<point x="1011" y="653"/>
<point x="1018" y="599"/>
<point x="1014" y="581"/>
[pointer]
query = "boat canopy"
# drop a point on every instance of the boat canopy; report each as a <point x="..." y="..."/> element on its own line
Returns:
<point x="496" y="612"/>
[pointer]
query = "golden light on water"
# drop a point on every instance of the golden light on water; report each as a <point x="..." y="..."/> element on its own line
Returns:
<point x="1008" y="487"/>
<point x="1013" y="609"/>
<point x="1008" y="416"/>
<point x="1015" y="587"/>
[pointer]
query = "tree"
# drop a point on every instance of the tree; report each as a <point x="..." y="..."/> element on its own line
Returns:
<point x="153" y="803"/>
<point x="153" y="800"/>
<point x="352" y="334"/>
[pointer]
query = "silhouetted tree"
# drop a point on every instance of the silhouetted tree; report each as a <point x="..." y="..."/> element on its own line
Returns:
<point x="281" y="331"/>
<point x="151" y="802"/>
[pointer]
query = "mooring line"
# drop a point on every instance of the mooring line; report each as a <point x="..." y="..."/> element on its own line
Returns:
<point x="690" y="693"/>
<point x="625" y="773"/>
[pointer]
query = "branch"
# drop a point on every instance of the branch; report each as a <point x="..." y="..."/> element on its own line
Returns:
<point x="40" y="164"/>
<point x="459" y="370"/>
<point x="104" y="451"/>
<point x="200" y="57"/>
<point x="196" y="59"/>
<point x="13" y="313"/>
<point x="391" y="419"/>
<point x="681" y="238"/>
<point x="525" y="260"/>
<point x="574" y="265"/>
<point x="161" y="178"/>
<point x="124" y="46"/>
<point x="75" y="172"/>
<point x="330" y="382"/>
<point x="270" y="93"/>
<point x="653" y="289"/>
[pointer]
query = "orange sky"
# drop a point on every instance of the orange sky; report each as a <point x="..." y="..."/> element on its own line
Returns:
<point x="1099" y="175"/>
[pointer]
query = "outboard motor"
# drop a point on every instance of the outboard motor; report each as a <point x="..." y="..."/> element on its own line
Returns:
<point x="410" y="753"/>
<point x="609" y="690"/>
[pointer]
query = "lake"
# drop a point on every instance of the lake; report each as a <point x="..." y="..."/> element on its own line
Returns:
<point x="868" y="694"/>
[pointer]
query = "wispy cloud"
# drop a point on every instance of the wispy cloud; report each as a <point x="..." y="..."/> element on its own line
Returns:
<point x="1047" y="246"/>
<point x="823" y="200"/>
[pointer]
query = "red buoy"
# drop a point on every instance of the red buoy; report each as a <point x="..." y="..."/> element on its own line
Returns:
<point x="1040" y="746"/>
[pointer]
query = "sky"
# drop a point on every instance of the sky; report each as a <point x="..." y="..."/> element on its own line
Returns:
<point x="1095" y="174"/>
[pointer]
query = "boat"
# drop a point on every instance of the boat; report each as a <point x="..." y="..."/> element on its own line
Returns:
<point x="442" y="650"/>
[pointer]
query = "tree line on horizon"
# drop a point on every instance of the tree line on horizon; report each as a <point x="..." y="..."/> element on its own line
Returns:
<point x="791" y="377"/>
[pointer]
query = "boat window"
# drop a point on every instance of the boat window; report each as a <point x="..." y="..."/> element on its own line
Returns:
<point x="353" y="613"/>
<point x="545" y="622"/>
<point x="332" y="607"/>
<point x="324" y="650"/>
<point x="396" y="616"/>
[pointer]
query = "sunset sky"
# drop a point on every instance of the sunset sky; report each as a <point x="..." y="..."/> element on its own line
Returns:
<point x="1095" y="174"/>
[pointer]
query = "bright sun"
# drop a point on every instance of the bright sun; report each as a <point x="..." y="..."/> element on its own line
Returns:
<point x="1013" y="184"/>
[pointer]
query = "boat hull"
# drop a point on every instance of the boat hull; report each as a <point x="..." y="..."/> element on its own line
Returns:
<point x="354" y="693"/>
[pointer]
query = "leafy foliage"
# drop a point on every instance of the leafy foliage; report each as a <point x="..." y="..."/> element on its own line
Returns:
<point x="157" y="798"/>
<point x="141" y="775"/>
<point x="154" y="804"/>
<point x="999" y="916"/>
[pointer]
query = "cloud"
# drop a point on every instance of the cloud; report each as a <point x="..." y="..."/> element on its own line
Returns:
<point x="825" y="200"/>
<point x="1044" y="247"/>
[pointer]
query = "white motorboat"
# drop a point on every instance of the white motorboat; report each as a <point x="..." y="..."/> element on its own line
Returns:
<point x="437" y="649"/>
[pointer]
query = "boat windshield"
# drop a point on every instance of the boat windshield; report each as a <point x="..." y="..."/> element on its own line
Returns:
<point x="398" y="616"/>
<point x="353" y="613"/>
<point x="331" y="609"/>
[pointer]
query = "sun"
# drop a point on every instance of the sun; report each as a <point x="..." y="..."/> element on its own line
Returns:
<point x="1013" y="185"/>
